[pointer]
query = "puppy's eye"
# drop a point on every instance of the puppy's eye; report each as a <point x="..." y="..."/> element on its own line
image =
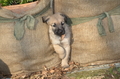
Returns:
<point x="54" y="25"/>
<point x="62" y="23"/>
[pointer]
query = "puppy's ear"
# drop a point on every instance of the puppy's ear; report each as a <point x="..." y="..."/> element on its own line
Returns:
<point x="45" y="19"/>
<point x="67" y="19"/>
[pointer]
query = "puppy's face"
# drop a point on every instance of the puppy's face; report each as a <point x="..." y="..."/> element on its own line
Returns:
<point x="56" y="23"/>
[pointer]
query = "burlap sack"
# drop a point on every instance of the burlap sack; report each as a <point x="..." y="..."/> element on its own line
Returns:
<point x="84" y="8"/>
<point x="88" y="47"/>
<point x="33" y="51"/>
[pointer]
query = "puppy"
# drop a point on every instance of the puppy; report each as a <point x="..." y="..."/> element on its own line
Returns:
<point x="60" y="36"/>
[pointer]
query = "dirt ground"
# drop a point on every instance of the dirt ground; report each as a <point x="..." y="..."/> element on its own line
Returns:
<point x="75" y="71"/>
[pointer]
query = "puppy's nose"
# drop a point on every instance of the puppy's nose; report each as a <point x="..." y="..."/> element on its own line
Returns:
<point x="59" y="31"/>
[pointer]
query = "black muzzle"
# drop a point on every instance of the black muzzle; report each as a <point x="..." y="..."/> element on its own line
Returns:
<point x="59" y="32"/>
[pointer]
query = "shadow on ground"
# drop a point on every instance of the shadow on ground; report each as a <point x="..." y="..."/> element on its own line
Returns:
<point x="4" y="70"/>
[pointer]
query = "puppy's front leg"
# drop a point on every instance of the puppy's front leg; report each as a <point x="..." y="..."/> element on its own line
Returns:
<point x="66" y="59"/>
<point x="60" y="50"/>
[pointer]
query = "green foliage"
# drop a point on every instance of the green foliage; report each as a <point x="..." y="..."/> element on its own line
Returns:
<point x="25" y="1"/>
<point x="14" y="2"/>
<point x="111" y="73"/>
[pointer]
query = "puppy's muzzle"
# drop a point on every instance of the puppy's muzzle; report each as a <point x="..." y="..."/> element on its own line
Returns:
<point x="59" y="32"/>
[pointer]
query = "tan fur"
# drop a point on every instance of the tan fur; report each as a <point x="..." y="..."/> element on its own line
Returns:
<point x="61" y="44"/>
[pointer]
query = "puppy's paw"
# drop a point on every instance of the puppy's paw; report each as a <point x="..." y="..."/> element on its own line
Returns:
<point x="64" y="64"/>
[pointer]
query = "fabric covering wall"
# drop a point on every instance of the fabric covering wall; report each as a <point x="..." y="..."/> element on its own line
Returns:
<point x="30" y="53"/>
<point x="35" y="49"/>
<point x="88" y="47"/>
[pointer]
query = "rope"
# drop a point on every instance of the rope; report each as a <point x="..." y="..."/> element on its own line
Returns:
<point x="29" y="21"/>
<point x="26" y="20"/>
<point x="100" y="27"/>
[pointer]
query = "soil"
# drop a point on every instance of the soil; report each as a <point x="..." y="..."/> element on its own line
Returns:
<point x="75" y="71"/>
